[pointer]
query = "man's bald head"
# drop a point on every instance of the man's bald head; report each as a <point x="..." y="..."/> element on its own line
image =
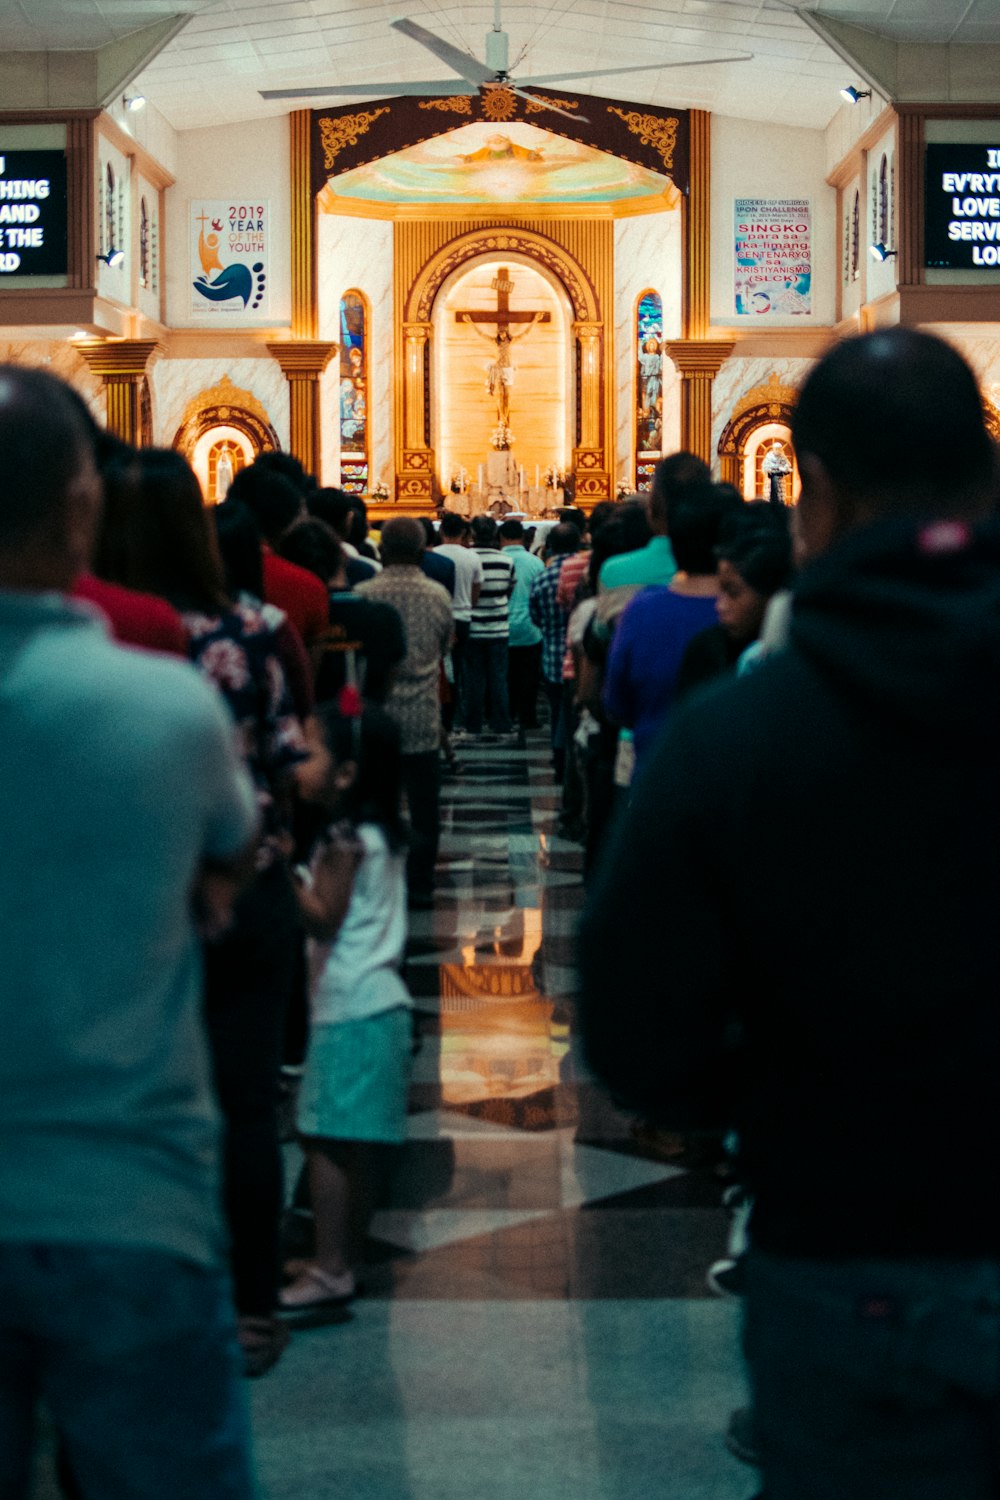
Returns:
<point x="892" y="424"/>
<point x="403" y="542"/>
<point x="48" y="488"/>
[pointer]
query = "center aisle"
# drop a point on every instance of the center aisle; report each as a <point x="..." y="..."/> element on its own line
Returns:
<point x="535" y="1319"/>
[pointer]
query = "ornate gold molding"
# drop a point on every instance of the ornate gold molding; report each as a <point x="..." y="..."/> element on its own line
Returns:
<point x="698" y="358"/>
<point x="117" y="359"/>
<point x="345" y="130"/>
<point x="652" y="130"/>
<point x="539" y="102"/>
<point x="303" y="209"/>
<point x="498" y="102"/>
<point x="486" y="242"/>
<point x="303" y="358"/>
<point x="458" y="104"/>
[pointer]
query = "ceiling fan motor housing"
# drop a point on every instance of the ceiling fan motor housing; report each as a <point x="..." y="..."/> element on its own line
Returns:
<point x="496" y="51"/>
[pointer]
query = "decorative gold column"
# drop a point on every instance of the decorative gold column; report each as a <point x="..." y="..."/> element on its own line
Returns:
<point x="302" y="362"/>
<point x="121" y="364"/>
<point x="592" y="480"/>
<point x="699" y="361"/>
<point x="304" y="321"/>
<point x="416" y="482"/>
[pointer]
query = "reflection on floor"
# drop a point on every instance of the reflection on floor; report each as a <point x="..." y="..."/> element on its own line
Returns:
<point x="536" y="1321"/>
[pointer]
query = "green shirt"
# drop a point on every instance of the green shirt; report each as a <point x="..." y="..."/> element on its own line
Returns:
<point x="653" y="563"/>
<point x="120" y="775"/>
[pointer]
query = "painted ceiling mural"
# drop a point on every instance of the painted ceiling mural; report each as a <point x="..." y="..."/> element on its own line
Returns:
<point x="487" y="162"/>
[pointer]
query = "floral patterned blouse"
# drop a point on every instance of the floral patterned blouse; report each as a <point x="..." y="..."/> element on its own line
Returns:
<point x="237" y="651"/>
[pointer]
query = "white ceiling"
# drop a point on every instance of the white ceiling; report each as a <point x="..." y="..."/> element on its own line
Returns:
<point x="210" y="73"/>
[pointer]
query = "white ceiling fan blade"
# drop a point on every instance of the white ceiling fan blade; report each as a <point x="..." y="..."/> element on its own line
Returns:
<point x="695" y="62"/>
<point x="555" y="108"/>
<point x="464" y="63"/>
<point x="377" y="90"/>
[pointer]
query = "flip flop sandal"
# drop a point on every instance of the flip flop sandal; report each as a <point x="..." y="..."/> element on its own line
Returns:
<point x="316" y="1297"/>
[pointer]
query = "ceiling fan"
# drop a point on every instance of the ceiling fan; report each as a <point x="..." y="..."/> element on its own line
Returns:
<point x="472" y="75"/>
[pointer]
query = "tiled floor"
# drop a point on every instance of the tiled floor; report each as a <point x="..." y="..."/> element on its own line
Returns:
<point x="536" y="1321"/>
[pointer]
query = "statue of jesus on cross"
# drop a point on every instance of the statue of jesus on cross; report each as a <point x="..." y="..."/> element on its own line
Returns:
<point x="500" y="372"/>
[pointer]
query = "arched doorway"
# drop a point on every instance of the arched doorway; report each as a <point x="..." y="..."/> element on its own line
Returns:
<point x="222" y="430"/>
<point x="539" y="373"/>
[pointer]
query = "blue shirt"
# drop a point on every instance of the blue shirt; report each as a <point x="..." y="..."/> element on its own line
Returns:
<point x="440" y="569"/>
<point x="647" y="649"/>
<point x="653" y="563"/>
<point x="526" y="567"/>
<point x="550" y="618"/>
<point x="120" y="775"/>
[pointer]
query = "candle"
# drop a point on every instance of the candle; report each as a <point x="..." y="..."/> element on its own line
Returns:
<point x="536" y="476"/>
<point x="522" y="477"/>
<point x="480" y="479"/>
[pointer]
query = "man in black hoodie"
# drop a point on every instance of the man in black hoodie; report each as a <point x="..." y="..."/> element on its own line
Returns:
<point x="794" y="933"/>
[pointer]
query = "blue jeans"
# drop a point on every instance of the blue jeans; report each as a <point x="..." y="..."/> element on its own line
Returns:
<point x="875" y="1380"/>
<point x="134" y="1353"/>
<point x="486" y="664"/>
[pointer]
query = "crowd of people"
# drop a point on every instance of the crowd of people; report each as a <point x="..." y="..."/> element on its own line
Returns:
<point x="224" y="734"/>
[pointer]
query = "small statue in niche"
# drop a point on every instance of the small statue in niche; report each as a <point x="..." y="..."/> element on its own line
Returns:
<point x="776" y="467"/>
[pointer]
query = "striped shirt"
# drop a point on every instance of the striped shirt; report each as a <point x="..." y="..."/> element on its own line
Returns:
<point x="490" y="616"/>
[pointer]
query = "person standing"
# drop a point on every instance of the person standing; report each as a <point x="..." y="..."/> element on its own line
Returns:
<point x="524" y="660"/>
<point x="852" y="780"/>
<point x="468" y="583"/>
<point x="126" y="806"/>
<point x="425" y="610"/>
<point x="551" y="619"/>
<point x="488" y="634"/>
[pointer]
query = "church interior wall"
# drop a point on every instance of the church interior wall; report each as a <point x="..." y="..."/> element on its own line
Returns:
<point x="648" y="257"/>
<point x="59" y="357"/>
<point x="248" y="162"/>
<point x="148" y="293"/>
<point x="114" y="221"/>
<point x="853" y="268"/>
<point x="881" y="276"/>
<point x="770" y="161"/>
<point x="357" y="254"/>
<point x="149" y="129"/>
<point x="176" y="382"/>
<point x="849" y="126"/>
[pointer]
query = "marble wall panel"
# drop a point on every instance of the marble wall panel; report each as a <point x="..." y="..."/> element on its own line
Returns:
<point x="648" y="257"/>
<point x="739" y="376"/>
<point x="59" y="357"/>
<point x="175" y="382"/>
<point x="356" y="254"/>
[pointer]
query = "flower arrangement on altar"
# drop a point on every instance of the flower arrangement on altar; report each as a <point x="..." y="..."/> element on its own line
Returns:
<point x="501" y="438"/>
<point x="379" y="491"/>
<point x="554" y="478"/>
<point x="459" y="482"/>
<point x="622" y="489"/>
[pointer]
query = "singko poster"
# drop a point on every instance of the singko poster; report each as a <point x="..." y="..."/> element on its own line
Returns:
<point x="230" y="251"/>
<point x="773" y="256"/>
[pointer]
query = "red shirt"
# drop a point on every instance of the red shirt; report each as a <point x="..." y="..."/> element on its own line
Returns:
<point x="136" y="619"/>
<point x="298" y="592"/>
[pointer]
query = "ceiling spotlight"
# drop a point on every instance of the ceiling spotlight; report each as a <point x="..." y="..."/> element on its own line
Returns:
<point x="879" y="252"/>
<point x="114" y="257"/>
<point x="852" y="95"/>
<point x="134" y="101"/>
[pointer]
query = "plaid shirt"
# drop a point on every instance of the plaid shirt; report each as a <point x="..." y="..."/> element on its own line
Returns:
<point x="551" y="618"/>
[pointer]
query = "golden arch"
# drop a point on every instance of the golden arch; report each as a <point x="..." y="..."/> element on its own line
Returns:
<point x="772" y="402"/>
<point x="504" y="241"/>
<point x="225" y="405"/>
<point x="415" y="462"/>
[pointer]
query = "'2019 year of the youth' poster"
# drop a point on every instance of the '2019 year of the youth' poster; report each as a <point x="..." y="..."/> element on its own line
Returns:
<point x="230" y="255"/>
<point x="773" y="256"/>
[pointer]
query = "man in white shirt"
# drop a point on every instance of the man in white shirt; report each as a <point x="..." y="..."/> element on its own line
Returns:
<point x="468" y="582"/>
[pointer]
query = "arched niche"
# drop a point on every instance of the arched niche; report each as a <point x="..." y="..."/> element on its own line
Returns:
<point x="763" y="414"/>
<point x="543" y="402"/>
<point x="223" y="414"/>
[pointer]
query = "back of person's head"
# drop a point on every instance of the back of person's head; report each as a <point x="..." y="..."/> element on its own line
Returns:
<point x="402" y="541"/>
<point x="372" y="741"/>
<point x="563" y="539"/>
<point x="430" y="534"/>
<point x="239" y="546"/>
<point x="603" y="512"/>
<point x="359" y="524"/>
<point x="672" y="478"/>
<point x="626" y="531"/>
<point x="572" y="515"/>
<point x="757" y="540"/>
<point x="269" y="496"/>
<point x="289" y="467"/>
<point x="484" y="531"/>
<point x="512" y="531"/>
<point x="891" y="423"/>
<point x="49" y="496"/>
<point x="332" y="507"/>
<point x="697" y="517"/>
<point x="452" y="526"/>
<point x="312" y="545"/>
<point x="172" y="549"/>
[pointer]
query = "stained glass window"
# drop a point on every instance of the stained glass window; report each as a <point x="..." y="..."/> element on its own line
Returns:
<point x="143" y="243"/>
<point x="648" y="384"/>
<point x="109" y="212"/>
<point x="353" y="393"/>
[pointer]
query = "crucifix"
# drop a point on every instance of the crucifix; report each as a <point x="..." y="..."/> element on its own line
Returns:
<point x="500" y="374"/>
